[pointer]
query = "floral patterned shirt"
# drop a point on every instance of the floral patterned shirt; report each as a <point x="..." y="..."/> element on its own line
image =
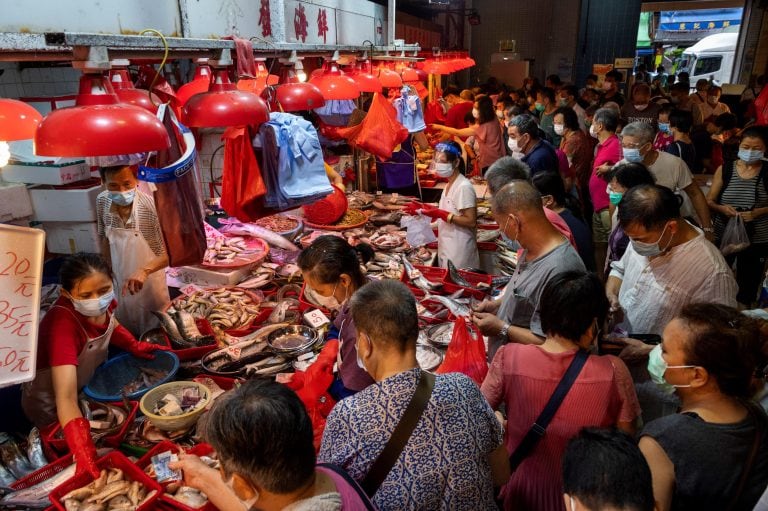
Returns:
<point x="444" y="465"/>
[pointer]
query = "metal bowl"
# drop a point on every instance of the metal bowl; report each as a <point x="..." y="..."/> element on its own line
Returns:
<point x="292" y="340"/>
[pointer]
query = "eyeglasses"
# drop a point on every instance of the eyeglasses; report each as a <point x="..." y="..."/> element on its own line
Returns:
<point x="637" y="145"/>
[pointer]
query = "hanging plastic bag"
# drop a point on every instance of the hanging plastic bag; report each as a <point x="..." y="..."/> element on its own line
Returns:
<point x="465" y="354"/>
<point x="419" y="230"/>
<point x="379" y="133"/>
<point x="735" y="237"/>
<point x="241" y="182"/>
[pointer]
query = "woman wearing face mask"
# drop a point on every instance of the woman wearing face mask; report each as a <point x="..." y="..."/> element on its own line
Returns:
<point x="456" y="213"/>
<point x="331" y="268"/>
<point x="486" y="130"/>
<point x="741" y="188"/>
<point x="524" y="377"/>
<point x="578" y="148"/>
<point x="133" y="243"/>
<point x="713" y="454"/>
<point x="72" y="341"/>
<point x="664" y="137"/>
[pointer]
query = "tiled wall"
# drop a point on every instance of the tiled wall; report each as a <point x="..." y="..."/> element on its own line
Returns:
<point x="37" y="82"/>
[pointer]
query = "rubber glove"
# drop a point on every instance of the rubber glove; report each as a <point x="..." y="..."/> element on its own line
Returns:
<point x="77" y="432"/>
<point x="138" y="349"/>
<point x="436" y="214"/>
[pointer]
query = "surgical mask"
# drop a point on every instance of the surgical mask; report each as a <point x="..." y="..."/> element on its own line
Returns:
<point x="360" y="363"/>
<point x="615" y="197"/>
<point x="664" y="127"/>
<point x="651" y="249"/>
<point x="750" y="155"/>
<point x="657" y="366"/>
<point x="249" y="505"/>
<point x="513" y="145"/>
<point x="539" y="107"/>
<point x="562" y="102"/>
<point x="632" y="154"/>
<point x="500" y="114"/>
<point x="444" y="169"/>
<point x="123" y="198"/>
<point x="94" y="307"/>
<point x="641" y="107"/>
<point x="713" y="100"/>
<point x="329" y="302"/>
<point x="559" y="129"/>
<point x="593" y="131"/>
<point x="475" y="113"/>
<point x="504" y="236"/>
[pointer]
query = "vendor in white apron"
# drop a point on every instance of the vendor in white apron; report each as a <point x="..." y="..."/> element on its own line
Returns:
<point x="72" y="342"/>
<point x="132" y="241"/>
<point x="457" y="212"/>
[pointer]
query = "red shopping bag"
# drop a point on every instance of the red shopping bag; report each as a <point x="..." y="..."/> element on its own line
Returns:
<point x="241" y="182"/>
<point x="379" y="133"/>
<point x="761" y="108"/>
<point x="465" y="354"/>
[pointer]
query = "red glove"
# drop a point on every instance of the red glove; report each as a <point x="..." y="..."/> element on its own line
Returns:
<point x="413" y="208"/>
<point x="77" y="432"/>
<point x="436" y="214"/>
<point x="137" y="349"/>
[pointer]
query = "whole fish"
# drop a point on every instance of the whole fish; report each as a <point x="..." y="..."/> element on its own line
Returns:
<point x="232" y="226"/>
<point x="6" y="478"/>
<point x="187" y="326"/>
<point x="418" y="279"/>
<point x="35" y="449"/>
<point x="284" y="312"/>
<point x="36" y="497"/>
<point x="456" y="276"/>
<point x="169" y="326"/>
<point x="12" y="457"/>
<point x="457" y="308"/>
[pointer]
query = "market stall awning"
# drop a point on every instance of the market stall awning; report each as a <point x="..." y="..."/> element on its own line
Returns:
<point x="699" y="20"/>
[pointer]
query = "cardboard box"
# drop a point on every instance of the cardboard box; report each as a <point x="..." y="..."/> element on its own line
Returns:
<point x="15" y="202"/>
<point x="69" y="203"/>
<point x="71" y="237"/>
<point x="61" y="173"/>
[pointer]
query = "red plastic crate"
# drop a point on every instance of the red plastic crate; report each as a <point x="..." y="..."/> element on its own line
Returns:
<point x="194" y="353"/>
<point x="49" y="437"/>
<point x="112" y="460"/>
<point x="449" y="289"/>
<point x="431" y="273"/>
<point x="474" y="279"/>
<point x="41" y="474"/>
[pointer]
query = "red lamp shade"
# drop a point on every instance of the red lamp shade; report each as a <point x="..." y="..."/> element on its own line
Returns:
<point x="334" y="85"/>
<point x="199" y="83"/>
<point x="389" y="78"/>
<point x="294" y="97"/>
<point x="256" y="85"/>
<point x="224" y="105"/>
<point x="127" y="93"/>
<point x="18" y="120"/>
<point x="366" y="82"/>
<point x="99" y="125"/>
<point x="409" y="75"/>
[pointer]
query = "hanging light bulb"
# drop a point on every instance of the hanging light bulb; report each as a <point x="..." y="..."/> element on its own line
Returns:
<point x="300" y="74"/>
<point x="18" y="121"/>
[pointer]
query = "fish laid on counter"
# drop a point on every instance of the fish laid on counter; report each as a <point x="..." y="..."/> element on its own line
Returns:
<point x="235" y="227"/>
<point x="456" y="277"/>
<point x="451" y="303"/>
<point x="181" y="329"/>
<point x="13" y="458"/>
<point x="418" y="279"/>
<point x="224" y="308"/>
<point x="35" y="453"/>
<point x="226" y="249"/>
<point x="36" y="497"/>
<point x="110" y="492"/>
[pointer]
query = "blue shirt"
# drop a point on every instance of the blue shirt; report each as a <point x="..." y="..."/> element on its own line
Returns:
<point x="444" y="465"/>
<point x="542" y="158"/>
<point x="583" y="236"/>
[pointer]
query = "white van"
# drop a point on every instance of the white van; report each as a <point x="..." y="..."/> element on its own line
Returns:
<point x="711" y="58"/>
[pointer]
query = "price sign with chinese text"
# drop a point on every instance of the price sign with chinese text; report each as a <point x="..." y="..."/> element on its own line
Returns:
<point x="21" y="273"/>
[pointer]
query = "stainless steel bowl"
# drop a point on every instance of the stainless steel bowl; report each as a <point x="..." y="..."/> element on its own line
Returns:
<point x="292" y="340"/>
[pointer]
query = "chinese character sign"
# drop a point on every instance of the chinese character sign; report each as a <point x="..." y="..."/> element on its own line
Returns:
<point x="265" y="21"/>
<point x="322" y="24"/>
<point x="300" y="23"/>
<point x="21" y="256"/>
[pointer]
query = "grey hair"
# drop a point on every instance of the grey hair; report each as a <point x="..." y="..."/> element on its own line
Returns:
<point x="642" y="131"/>
<point x="517" y="196"/>
<point x="526" y="124"/>
<point x="505" y="170"/>
<point x="608" y="117"/>
<point x="386" y="312"/>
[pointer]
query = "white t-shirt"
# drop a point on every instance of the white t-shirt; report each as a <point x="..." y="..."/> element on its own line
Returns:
<point x="459" y="244"/>
<point x="672" y="172"/>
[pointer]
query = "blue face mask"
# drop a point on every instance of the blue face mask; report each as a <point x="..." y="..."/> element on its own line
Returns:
<point x="123" y="198"/>
<point x="651" y="249"/>
<point x="750" y="155"/>
<point x="664" y="127"/>
<point x="632" y="155"/>
<point x="94" y="307"/>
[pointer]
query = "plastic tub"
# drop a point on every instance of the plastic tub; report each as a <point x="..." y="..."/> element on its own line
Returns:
<point x="111" y="376"/>
<point x="112" y="460"/>
<point x="174" y="422"/>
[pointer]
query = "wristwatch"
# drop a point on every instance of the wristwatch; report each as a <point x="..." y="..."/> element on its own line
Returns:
<point x="504" y="332"/>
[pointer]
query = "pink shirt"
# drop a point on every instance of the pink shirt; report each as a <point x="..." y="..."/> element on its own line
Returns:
<point x="557" y="221"/>
<point x="607" y="152"/>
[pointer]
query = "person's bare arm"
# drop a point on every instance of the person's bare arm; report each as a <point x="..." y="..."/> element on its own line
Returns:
<point x="64" y="380"/>
<point x="200" y="476"/>
<point x="662" y="472"/>
<point x="463" y="133"/>
<point x="701" y="207"/>
<point x="499" y="461"/>
<point x="104" y="243"/>
<point x="135" y="282"/>
<point x="714" y="195"/>
<point x="465" y="218"/>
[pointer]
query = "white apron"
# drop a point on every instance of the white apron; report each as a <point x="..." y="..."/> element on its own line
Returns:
<point x="38" y="399"/>
<point x="130" y="251"/>
<point x="459" y="244"/>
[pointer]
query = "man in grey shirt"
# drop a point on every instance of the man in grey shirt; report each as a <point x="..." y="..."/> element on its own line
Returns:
<point x="545" y="252"/>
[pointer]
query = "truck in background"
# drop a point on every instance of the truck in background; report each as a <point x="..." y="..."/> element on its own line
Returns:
<point x="711" y="58"/>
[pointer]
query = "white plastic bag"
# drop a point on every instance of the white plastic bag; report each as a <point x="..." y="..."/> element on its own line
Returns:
<point x="419" y="229"/>
<point x="735" y="237"/>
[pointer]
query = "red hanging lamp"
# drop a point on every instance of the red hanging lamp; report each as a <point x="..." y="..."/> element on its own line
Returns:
<point x="18" y="121"/>
<point x="409" y="75"/>
<point x="292" y="95"/>
<point x="334" y="85"/>
<point x="200" y="82"/>
<point x="122" y="84"/>
<point x="99" y="125"/>
<point x="389" y="78"/>
<point x="224" y="105"/>
<point x="365" y="81"/>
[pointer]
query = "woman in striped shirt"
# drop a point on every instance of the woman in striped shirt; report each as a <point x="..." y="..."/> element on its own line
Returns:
<point x="740" y="187"/>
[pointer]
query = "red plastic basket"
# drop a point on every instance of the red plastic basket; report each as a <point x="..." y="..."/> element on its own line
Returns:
<point x="42" y="474"/>
<point x="49" y="437"/>
<point x="112" y="460"/>
<point x="431" y="273"/>
<point x="474" y="279"/>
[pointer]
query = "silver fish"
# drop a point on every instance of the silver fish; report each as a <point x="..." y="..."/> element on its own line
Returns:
<point x="187" y="326"/>
<point x="418" y="279"/>
<point x="169" y="326"/>
<point x="6" y="478"/>
<point x="35" y="449"/>
<point x="456" y="276"/>
<point x="36" y="497"/>
<point x="284" y="312"/>
<point x="12" y="457"/>
<point x="232" y="226"/>
<point x="457" y="308"/>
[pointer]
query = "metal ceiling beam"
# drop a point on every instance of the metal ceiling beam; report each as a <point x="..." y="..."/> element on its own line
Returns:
<point x="690" y="6"/>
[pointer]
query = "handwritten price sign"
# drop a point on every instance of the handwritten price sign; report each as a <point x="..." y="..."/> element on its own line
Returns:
<point x="21" y="265"/>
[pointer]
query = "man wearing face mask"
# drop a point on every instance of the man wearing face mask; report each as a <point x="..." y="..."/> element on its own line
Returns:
<point x="669" y="171"/>
<point x="132" y="241"/>
<point x="517" y="208"/>
<point x="566" y="97"/>
<point x="611" y="91"/>
<point x="524" y="138"/>
<point x="640" y="109"/>
<point x="678" y="96"/>
<point x="707" y="111"/>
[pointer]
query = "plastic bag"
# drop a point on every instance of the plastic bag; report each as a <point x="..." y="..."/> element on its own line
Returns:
<point x="242" y="186"/>
<point x="465" y="354"/>
<point x="419" y="230"/>
<point x="379" y="133"/>
<point x="735" y="237"/>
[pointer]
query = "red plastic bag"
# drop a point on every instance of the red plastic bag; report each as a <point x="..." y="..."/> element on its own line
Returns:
<point x="433" y="113"/>
<point x="761" y="108"/>
<point x="379" y="133"/>
<point x="465" y="354"/>
<point x="241" y="182"/>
